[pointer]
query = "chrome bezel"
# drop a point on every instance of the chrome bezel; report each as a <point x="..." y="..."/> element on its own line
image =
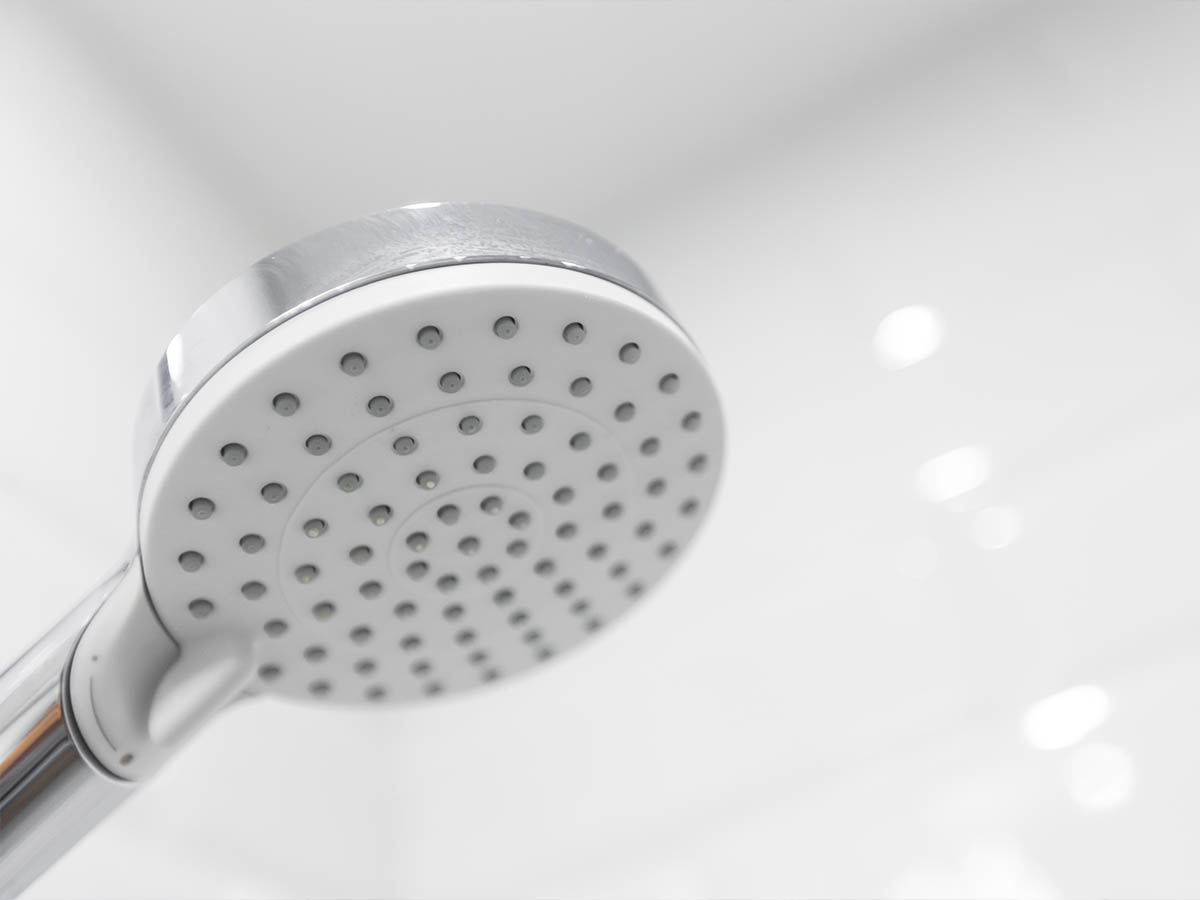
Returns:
<point x="331" y="262"/>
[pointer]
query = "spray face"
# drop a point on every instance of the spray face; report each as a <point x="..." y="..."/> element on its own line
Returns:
<point x="431" y="482"/>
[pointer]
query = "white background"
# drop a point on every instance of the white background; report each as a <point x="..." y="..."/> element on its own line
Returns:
<point x="839" y="692"/>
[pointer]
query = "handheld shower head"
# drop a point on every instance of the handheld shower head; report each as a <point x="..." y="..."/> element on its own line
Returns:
<point x="359" y="487"/>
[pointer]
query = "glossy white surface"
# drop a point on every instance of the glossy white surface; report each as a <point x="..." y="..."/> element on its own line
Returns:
<point x="833" y="694"/>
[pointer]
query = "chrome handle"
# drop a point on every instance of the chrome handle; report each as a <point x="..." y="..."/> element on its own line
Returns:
<point x="51" y="793"/>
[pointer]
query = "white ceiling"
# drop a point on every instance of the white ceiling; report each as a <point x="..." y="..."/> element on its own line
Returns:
<point x="826" y="699"/>
<point x="296" y="116"/>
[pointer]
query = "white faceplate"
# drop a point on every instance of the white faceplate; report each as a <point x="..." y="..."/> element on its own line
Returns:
<point x="361" y="572"/>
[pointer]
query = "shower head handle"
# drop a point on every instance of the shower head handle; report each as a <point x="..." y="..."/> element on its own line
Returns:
<point x="529" y="428"/>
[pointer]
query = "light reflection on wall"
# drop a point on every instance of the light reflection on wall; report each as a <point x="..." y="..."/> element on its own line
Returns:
<point x="953" y="473"/>
<point x="1064" y="719"/>
<point x="907" y="336"/>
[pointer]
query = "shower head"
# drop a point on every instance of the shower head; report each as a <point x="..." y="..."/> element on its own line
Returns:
<point x="414" y="454"/>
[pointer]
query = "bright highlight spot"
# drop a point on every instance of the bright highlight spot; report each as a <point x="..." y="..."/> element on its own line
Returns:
<point x="1100" y="776"/>
<point x="1066" y="718"/>
<point x="175" y="355"/>
<point x="995" y="528"/>
<point x="951" y="474"/>
<point x="907" y="336"/>
<point x="422" y="206"/>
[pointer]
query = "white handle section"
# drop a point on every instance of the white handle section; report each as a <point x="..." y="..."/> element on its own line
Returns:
<point x="204" y="678"/>
<point x="134" y="695"/>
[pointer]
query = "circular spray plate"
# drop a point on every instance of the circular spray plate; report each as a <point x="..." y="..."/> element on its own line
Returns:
<point x="432" y="481"/>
